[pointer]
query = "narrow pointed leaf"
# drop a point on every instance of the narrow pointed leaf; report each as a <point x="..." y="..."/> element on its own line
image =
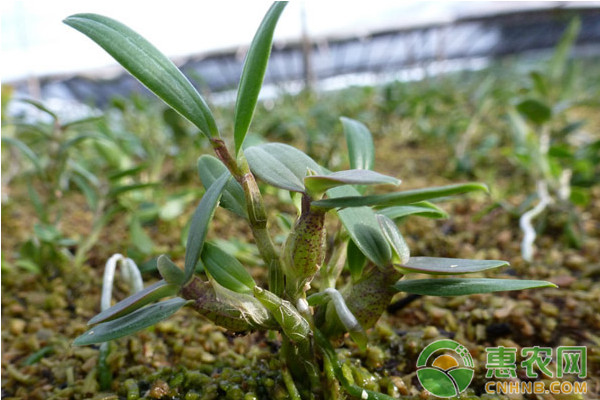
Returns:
<point x="76" y="140"/>
<point x="423" y="209"/>
<point x="321" y="183"/>
<point x="395" y="239"/>
<point x="561" y="54"/>
<point x="210" y="169"/>
<point x="169" y="271"/>
<point x="280" y="165"/>
<point x="40" y="106"/>
<point x="459" y="287"/>
<point x="226" y="270"/>
<point x="115" y="176"/>
<point x="199" y="225"/>
<point x="146" y="63"/>
<point x="356" y="260"/>
<point x="363" y="227"/>
<point x="119" y="190"/>
<point x="139" y="238"/>
<point x="26" y="150"/>
<point x="90" y="193"/>
<point x="131" y="323"/>
<point x="253" y="73"/>
<point x="83" y="121"/>
<point x="448" y="266"/>
<point x="152" y="293"/>
<point x="361" y="149"/>
<point x="400" y="198"/>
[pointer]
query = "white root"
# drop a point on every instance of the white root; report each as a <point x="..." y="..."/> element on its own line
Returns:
<point x="525" y="221"/>
<point x="130" y="273"/>
<point x="345" y="315"/>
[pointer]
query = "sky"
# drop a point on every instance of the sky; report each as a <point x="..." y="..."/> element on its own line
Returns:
<point x="34" y="41"/>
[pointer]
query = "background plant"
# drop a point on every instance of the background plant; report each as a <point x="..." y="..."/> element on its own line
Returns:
<point x="305" y="272"/>
<point x="59" y="161"/>
<point x="47" y="154"/>
<point x="551" y="144"/>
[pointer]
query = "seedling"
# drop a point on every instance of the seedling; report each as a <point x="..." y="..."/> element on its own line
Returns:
<point x="300" y="299"/>
<point x="561" y="165"/>
<point x="58" y="155"/>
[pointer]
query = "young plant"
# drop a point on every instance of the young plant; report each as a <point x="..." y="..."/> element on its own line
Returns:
<point x="56" y="159"/>
<point x="300" y="300"/>
<point x="46" y="154"/>
<point x="546" y="145"/>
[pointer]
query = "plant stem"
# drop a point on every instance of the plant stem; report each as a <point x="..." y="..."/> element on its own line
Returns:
<point x="333" y="386"/>
<point x="99" y="221"/>
<point x="336" y="367"/>
<point x="288" y="380"/>
<point x="256" y="213"/>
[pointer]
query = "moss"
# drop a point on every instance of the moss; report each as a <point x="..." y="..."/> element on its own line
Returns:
<point x="196" y="360"/>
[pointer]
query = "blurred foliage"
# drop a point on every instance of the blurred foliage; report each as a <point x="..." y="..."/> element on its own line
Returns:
<point x="135" y="162"/>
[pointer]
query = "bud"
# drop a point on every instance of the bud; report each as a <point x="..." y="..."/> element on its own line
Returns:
<point x="295" y="327"/>
<point x="366" y="300"/>
<point x="233" y="311"/>
<point x="304" y="249"/>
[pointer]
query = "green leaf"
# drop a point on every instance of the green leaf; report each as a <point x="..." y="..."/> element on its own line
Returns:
<point x="395" y="239"/>
<point x="131" y="323"/>
<point x="363" y="227"/>
<point x="226" y="270"/>
<point x="539" y="83"/>
<point x="90" y="193"/>
<point x="423" y="209"/>
<point x="448" y="266"/>
<point x="25" y="150"/>
<point x="40" y="106"/>
<point x="174" y="206"/>
<point x="519" y="127"/>
<point x="535" y="111"/>
<point x="361" y="149"/>
<point x="28" y="265"/>
<point x="199" y="224"/>
<point x="356" y="260"/>
<point x="76" y="140"/>
<point x="115" y="176"/>
<point x="157" y="291"/>
<point x="38" y="355"/>
<point x="400" y="198"/>
<point x="37" y="203"/>
<point x="321" y="183"/>
<point x="561" y="54"/>
<point x="169" y="271"/>
<point x="280" y="165"/>
<point x="253" y="73"/>
<point x="459" y="287"/>
<point x="233" y="198"/>
<point x="139" y="237"/>
<point x="82" y="121"/>
<point x="146" y="63"/>
<point x="119" y="190"/>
